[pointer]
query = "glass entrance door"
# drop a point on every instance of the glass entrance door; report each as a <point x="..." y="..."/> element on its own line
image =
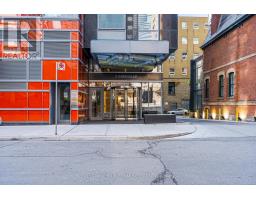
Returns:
<point x="96" y="103"/>
<point x="64" y="102"/>
<point x="131" y="103"/>
<point x="126" y="103"/>
<point x="120" y="103"/>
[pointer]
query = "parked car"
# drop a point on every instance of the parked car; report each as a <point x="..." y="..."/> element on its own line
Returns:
<point x="179" y="111"/>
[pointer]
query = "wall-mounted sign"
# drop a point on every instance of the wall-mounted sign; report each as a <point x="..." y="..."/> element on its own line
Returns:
<point x="61" y="66"/>
<point x="151" y="76"/>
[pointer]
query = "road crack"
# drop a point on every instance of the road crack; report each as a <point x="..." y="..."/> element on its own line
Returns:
<point x="165" y="176"/>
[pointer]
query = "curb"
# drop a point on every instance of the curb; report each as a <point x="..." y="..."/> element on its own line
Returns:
<point x="89" y="138"/>
<point x="216" y="120"/>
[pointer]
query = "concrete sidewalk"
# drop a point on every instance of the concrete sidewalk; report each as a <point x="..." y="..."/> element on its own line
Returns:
<point x="96" y="131"/>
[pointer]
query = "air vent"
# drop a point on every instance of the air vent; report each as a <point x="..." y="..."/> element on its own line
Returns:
<point x="56" y="49"/>
<point x="12" y="70"/>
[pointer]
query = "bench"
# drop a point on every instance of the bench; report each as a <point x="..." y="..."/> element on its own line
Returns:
<point x="159" y="118"/>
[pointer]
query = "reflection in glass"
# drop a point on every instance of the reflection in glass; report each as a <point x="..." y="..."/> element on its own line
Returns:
<point x="64" y="102"/>
<point x="111" y="21"/>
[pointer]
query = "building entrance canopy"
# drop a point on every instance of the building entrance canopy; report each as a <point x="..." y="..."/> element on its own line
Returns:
<point x="135" y="55"/>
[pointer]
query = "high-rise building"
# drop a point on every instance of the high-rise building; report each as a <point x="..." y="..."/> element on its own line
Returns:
<point x="127" y="52"/>
<point x="38" y="51"/>
<point x="192" y="31"/>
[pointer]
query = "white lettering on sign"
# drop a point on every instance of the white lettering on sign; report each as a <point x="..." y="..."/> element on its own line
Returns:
<point x="61" y="66"/>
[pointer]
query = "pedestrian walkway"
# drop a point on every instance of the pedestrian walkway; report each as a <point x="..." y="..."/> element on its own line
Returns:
<point x="96" y="131"/>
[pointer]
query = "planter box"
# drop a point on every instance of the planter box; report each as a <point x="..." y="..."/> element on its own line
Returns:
<point x="159" y="118"/>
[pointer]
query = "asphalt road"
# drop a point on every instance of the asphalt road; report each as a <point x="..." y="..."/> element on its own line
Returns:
<point x="209" y="160"/>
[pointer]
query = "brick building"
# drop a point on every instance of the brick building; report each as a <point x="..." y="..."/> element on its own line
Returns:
<point x="229" y="68"/>
<point x="32" y="49"/>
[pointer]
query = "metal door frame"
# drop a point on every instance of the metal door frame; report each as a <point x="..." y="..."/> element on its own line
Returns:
<point x="138" y="101"/>
<point x="67" y="121"/>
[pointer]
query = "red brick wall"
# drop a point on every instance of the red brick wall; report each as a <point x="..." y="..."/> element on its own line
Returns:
<point x="234" y="45"/>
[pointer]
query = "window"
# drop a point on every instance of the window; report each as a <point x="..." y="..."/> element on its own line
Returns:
<point x="195" y="40"/>
<point x="184" y="56"/>
<point x="129" y="19"/>
<point x="111" y="21"/>
<point x="172" y="71"/>
<point x="221" y="85"/>
<point x="184" y="40"/>
<point x="206" y="26"/>
<point x="195" y="26"/>
<point x="206" y="92"/>
<point x="129" y="27"/>
<point x="184" y="71"/>
<point x="231" y="84"/>
<point x="171" y="88"/>
<point x="172" y="56"/>
<point x="148" y="26"/>
<point x="147" y="93"/>
<point x="184" y="25"/>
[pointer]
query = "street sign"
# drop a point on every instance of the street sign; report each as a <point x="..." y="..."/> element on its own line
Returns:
<point x="61" y="66"/>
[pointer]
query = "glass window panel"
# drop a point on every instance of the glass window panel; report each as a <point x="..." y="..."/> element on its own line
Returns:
<point x="184" y="71"/>
<point x="151" y="35"/>
<point x="157" y="98"/>
<point x="111" y="21"/>
<point x="144" y="94"/>
<point x="184" y="40"/>
<point x="172" y="71"/>
<point x="184" y="25"/>
<point x="148" y="26"/>
<point x="148" y="22"/>
<point x="195" y="25"/>
<point x="195" y="40"/>
<point x="171" y="88"/>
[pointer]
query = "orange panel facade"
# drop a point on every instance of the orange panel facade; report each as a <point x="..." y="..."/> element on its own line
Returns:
<point x="30" y="98"/>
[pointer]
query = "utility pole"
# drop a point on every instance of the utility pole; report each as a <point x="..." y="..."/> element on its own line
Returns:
<point x="56" y="101"/>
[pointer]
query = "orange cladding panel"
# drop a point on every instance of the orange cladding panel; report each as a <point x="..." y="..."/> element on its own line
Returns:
<point x="74" y="86"/>
<point x="35" y="115"/>
<point x="46" y="114"/>
<point x="46" y="85"/>
<point x="13" y="115"/>
<point x="35" y="85"/>
<point x="66" y="73"/>
<point x="69" y="72"/>
<point x="56" y="24"/>
<point x="35" y="100"/>
<point x="74" y="50"/>
<point x="49" y="70"/>
<point x="74" y="35"/>
<point x="1" y="49"/>
<point x="13" y="99"/>
<point x="75" y="72"/>
<point x="74" y="116"/>
<point x="46" y="99"/>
